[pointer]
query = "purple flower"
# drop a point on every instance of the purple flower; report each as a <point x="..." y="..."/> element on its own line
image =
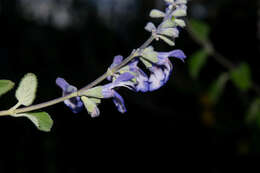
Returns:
<point x="108" y="91"/>
<point x="116" y="61"/>
<point x="161" y="71"/>
<point x="140" y="82"/>
<point x="74" y="103"/>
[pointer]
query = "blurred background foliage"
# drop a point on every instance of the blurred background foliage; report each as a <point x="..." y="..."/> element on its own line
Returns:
<point x="210" y="107"/>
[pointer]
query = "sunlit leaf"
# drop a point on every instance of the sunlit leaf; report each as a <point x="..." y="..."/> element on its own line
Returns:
<point x="26" y="91"/>
<point x="241" y="77"/>
<point x="217" y="87"/>
<point x="5" y="86"/>
<point x="197" y="62"/>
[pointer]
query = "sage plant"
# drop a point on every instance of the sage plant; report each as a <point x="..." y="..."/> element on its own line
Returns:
<point x="121" y="73"/>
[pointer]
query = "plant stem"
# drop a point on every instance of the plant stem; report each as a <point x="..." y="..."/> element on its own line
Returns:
<point x="134" y="54"/>
<point x="92" y="84"/>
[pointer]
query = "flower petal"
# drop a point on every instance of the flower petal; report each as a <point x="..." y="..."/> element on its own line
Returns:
<point x="117" y="60"/>
<point x="156" y="79"/>
<point x="163" y="56"/>
<point x="62" y="83"/>
<point x="167" y="70"/>
<point x="74" y="103"/>
<point x="119" y="102"/>
<point x="108" y="92"/>
<point x="124" y="77"/>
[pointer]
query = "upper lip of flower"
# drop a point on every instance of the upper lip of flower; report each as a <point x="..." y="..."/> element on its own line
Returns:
<point x="75" y="104"/>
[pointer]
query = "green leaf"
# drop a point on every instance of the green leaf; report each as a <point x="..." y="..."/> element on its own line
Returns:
<point x="217" y="87"/>
<point x="170" y="32"/>
<point x="5" y="86"/>
<point x="156" y="14"/>
<point x="26" y="91"/>
<point x="180" y="22"/>
<point x="200" y="29"/>
<point x="95" y="92"/>
<point x="253" y="113"/>
<point x="167" y="40"/>
<point x="91" y="106"/>
<point x="146" y="63"/>
<point x="150" y="54"/>
<point x="179" y="12"/>
<point x="196" y="62"/>
<point x="41" y="120"/>
<point x="241" y="77"/>
<point x="168" y="23"/>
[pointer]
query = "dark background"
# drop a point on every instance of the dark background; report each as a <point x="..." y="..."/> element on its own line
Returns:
<point x="172" y="128"/>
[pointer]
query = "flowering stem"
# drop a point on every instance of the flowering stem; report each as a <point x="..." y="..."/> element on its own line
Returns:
<point x="134" y="54"/>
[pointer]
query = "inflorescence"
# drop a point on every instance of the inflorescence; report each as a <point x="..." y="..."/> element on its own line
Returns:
<point x="127" y="72"/>
<point x="123" y="72"/>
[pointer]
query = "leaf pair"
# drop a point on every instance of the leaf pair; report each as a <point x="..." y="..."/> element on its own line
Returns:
<point x="25" y="95"/>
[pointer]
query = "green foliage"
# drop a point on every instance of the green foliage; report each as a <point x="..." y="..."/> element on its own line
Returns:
<point x="167" y="40"/>
<point x="196" y="62"/>
<point x="5" y="86"/>
<point x="26" y="91"/>
<point x="146" y="63"/>
<point x="168" y="23"/>
<point x="95" y="92"/>
<point x="156" y="14"/>
<point x="41" y="120"/>
<point x="200" y="29"/>
<point x="253" y="113"/>
<point x="241" y="77"/>
<point x="150" y="54"/>
<point x="91" y="105"/>
<point x="217" y="87"/>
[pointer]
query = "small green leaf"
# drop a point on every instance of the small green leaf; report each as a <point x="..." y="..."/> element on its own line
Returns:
<point x="200" y="29"/>
<point x="5" y="86"/>
<point x="95" y="92"/>
<point x="167" y="40"/>
<point x="91" y="106"/>
<point x="180" y="22"/>
<point x="157" y="13"/>
<point x="253" y="113"/>
<point x="170" y="32"/>
<point x="179" y="12"/>
<point x="150" y="54"/>
<point x="41" y="120"/>
<point x="168" y="23"/>
<point x="197" y="61"/>
<point x="26" y="91"/>
<point x="146" y="63"/>
<point x="217" y="87"/>
<point x="241" y="77"/>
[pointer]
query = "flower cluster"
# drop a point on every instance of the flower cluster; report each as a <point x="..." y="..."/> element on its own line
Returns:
<point x="131" y="75"/>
